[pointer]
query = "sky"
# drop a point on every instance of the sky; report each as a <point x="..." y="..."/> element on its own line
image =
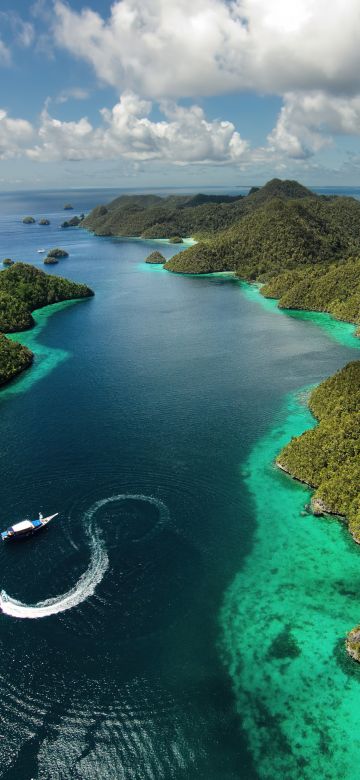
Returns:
<point x="161" y="93"/>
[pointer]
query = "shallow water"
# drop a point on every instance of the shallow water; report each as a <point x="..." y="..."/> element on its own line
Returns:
<point x="143" y="408"/>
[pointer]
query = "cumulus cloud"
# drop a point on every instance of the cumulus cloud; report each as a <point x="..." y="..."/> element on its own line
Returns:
<point x="185" y="136"/>
<point x="15" y="135"/>
<point x="177" y="48"/>
<point x="308" y="121"/>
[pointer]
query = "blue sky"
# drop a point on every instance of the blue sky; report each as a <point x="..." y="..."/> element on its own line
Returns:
<point x="175" y="92"/>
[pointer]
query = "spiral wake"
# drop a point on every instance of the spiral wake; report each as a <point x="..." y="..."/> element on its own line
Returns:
<point x="94" y="574"/>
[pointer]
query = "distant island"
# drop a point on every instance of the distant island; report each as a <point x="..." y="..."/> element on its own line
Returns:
<point x="73" y="222"/>
<point x="24" y="288"/>
<point x="304" y="250"/>
<point x="156" y="258"/>
<point x="68" y="207"/>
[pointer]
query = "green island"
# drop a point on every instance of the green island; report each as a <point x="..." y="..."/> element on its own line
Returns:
<point x="304" y="250"/>
<point x="44" y="221"/>
<point x="29" y="220"/>
<point x="57" y="252"/>
<point x="24" y="288"/>
<point x="73" y="222"/>
<point x="156" y="258"/>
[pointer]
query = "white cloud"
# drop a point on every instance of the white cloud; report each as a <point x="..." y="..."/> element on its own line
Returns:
<point x="173" y="48"/>
<point x="75" y="93"/>
<point x="183" y="137"/>
<point x="5" y="56"/>
<point x="22" y="32"/>
<point x="307" y="122"/>
<point x="15" y="135"/>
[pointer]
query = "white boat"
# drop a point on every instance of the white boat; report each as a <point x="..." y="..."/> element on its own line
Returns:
<point x="41" y="251"/>
<point x="26" y="527"/>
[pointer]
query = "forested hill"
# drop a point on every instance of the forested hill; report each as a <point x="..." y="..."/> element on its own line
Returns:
<point x="201" y="216"/>
<point x="278" y="234"/>
<point x="24" y="288"/>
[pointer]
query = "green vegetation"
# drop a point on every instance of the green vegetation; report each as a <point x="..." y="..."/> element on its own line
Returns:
<point x="14" y="358"/>
<point x="56" y="252"/>
<point x="155" y="257"/>
<point x="175" y="240"/>
<point x="49" y="260"/>
<point x="331" y="288"/>
<point x="281" y="226"/>
<point x="24" y="288"/>
<point x="73" y="222"/>
<point x="44" y="221"/>
<point x="278" y="234"/>
<point x="328" y="456"/>
<point x="8" y="261"/>
<point x="151" y="216"/>
<point x="68" y="207"/>
<point x="29" y="220"/>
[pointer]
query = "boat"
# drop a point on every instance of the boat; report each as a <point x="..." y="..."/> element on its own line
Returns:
<point x="26" y="527"/>
<point x="41" y="251"/>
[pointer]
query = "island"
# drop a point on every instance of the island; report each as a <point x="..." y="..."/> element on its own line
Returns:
<point x="8" y="261"/>
<point x="49" y="260"/>
<point x="24" y="288"/>
<point x="44" y="221"/>
<point x="57" y="252"/>
<point x="68" y="207"/>
<point x="29" y="220"/>
<point x="156" y="258"/>
<point x="14" y="358"/>
<point x="73" y="222"/>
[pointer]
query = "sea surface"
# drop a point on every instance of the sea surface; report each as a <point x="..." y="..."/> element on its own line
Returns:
<point x="182" y="617"/>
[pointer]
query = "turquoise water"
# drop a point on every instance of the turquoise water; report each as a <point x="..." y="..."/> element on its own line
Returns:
<point x="285" y="616"/>
<point x="132" y="627"/>
<point x="283" y="625"/>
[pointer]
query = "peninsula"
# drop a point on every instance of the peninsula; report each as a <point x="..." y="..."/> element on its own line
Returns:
<point x="24" y="288"/>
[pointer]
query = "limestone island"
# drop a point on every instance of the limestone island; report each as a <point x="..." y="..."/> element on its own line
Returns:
<point x="24" y="288"/>
<point x="73" y="222"/>
<point x="68" y="207"/>
<point x="156" y="258"/>
<point x="29" y="220"/>
<point x="49" y="260"/>
<point x="57" y="252"/>
<point x="44" y="221"/>
<point x="7" y="261"/>
<point x="175" y="240"/>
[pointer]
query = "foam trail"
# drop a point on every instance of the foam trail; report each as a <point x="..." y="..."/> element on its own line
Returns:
<point x="87" y="583"/>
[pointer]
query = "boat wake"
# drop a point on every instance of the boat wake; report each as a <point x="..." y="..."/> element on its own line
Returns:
<point x="91" y="578"/>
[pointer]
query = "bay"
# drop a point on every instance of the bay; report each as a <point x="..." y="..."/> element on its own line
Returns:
<point x="137" y="420"/>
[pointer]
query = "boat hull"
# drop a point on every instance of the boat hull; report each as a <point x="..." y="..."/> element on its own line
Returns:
<point x="26" y="528"/>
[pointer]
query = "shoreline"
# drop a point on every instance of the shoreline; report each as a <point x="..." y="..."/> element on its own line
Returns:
<point x="45" y="359"/>
<point x="282" y="617"/>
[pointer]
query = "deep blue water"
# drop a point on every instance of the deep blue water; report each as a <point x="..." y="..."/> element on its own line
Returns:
<point x="167" y="384"/>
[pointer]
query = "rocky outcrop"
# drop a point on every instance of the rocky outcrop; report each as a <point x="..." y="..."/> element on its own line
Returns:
<point x="352" y="643"/>
<point x="156" y="258"/>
